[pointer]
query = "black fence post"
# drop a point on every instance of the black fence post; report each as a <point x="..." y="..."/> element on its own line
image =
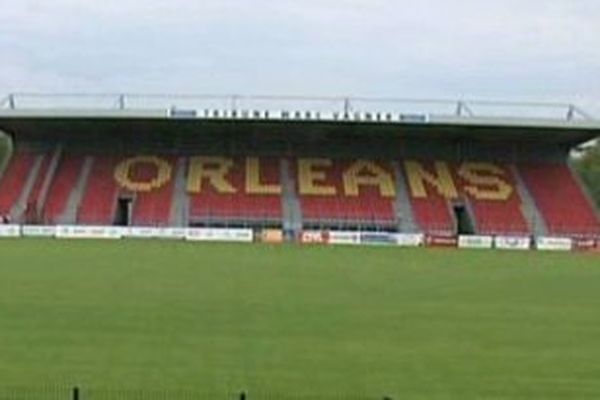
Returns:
<point x="75" y="393"/>
<point x="243" y="396"/>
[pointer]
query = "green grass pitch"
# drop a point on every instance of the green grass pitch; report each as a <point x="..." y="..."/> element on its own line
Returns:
<point x="409" y="323"/>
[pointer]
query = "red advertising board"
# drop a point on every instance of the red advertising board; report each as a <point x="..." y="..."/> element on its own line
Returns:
<point x="587" y="244"/>
<point x="441" y="241"/>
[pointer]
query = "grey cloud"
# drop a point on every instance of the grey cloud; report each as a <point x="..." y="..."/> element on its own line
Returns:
<point x="502" y="49"/>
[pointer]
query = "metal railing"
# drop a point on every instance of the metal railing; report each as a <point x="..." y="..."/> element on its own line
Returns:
<point x="314" y="104"/>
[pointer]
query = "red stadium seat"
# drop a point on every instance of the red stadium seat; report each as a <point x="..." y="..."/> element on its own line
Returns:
<point x="31" y="210"/>
<point x="367" y="206"/>
<point x="14" y="179"/>
<point x="356" y="192"/>
<point x="100" y="198"/>
<point x="153" y="208"/>
<point x="212" y="204"/>
<point x="62" y="185"/>
<point x="432" y="212"/>
<point x="495" y="215"/>
<point x="560" y="199"/>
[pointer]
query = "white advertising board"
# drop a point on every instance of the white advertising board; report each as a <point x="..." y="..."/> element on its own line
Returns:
<point x="554" y="243"/>
<point x="219" y="235"/>
<point x="10" y="231"/>
<point x="140" y="232"/>
<point x="38" y="231"/>
<point x="344" y="237"/>
<point x="377" y="238"/>
<point x="88" y="232"/>
<point x="512" y="242"/>
<point x="146" y="232"/>
<point x="171" y="233"/>
<point x="475" y="242"/>
<point x="410" y="239"/>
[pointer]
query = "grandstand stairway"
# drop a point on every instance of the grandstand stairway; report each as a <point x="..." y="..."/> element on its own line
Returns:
<point x="404" y="211"/>
<point x="179" y="206"/>
<point x="292" y="214"/>
<point x="61" y="187"/>
<point x="532" y="214"/>
<point x="31" y="207"/>
<point x="69" y="212"/>
<point x="48" y="179"/>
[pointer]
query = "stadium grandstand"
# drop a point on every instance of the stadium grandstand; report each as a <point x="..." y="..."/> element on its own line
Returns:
<point x="434" y="167"/>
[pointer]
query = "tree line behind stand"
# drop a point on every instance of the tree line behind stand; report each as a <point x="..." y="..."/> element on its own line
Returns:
<point x="587" y="164"/>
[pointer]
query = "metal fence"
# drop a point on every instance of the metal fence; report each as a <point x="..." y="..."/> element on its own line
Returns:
<point x="91" y="393"/>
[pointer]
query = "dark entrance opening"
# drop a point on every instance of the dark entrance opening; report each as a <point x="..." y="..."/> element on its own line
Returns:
<point x="123" y="217"/>
<point x="464" y="224"/>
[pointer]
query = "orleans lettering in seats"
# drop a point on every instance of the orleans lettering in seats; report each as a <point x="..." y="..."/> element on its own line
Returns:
<point x="357" y="189"/>
<point x="320" y="177"/>
<point x="156" y="190"/>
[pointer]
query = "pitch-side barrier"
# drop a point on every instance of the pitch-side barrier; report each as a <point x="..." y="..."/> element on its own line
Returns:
<point x="309" y="237"/>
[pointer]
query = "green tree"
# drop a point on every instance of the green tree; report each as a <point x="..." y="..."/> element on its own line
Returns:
<point x="588" y="167"/>
<point x="5" y="150"/>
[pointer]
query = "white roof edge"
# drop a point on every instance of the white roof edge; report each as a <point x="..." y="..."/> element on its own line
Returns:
<point x="547" y="123"/>
<point x="274" y="116"/>
<point x="82" y="113"/>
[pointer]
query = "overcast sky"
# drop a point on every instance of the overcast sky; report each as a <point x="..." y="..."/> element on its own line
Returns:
<point x="501" y="49"/>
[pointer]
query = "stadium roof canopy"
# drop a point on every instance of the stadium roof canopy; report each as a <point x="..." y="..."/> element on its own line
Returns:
<point x="45" y="114"/>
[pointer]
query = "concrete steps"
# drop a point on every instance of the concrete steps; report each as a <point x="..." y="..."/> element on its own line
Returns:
<point x="179" y="215"/>
<point x="402" y="205"/>
<point x="292" y="213"/>
<point x="18" y="209"/>
<point x="70" y="214"/>
<point x="535" y="220"/>
<point x="52" y="167"/>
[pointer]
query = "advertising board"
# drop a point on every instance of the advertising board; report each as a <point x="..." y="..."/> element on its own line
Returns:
<point x="377" y="238"/>
<point x="313" y="237"/>
<point x="38" y="231"/>
<point x="10" y="231"/>
<point x="219" y="235"/>
<point x="554" y="243"/>
<point x="512" y="242"/>
<point x="581" y="244"/>
<point x="344" y="237"/>
<point x="409" y="239"/>
<point x="88" y="232"/>
<point x="271" y="236"/>
<point x="441" y="241"/>
<point x="475" y="242"/>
